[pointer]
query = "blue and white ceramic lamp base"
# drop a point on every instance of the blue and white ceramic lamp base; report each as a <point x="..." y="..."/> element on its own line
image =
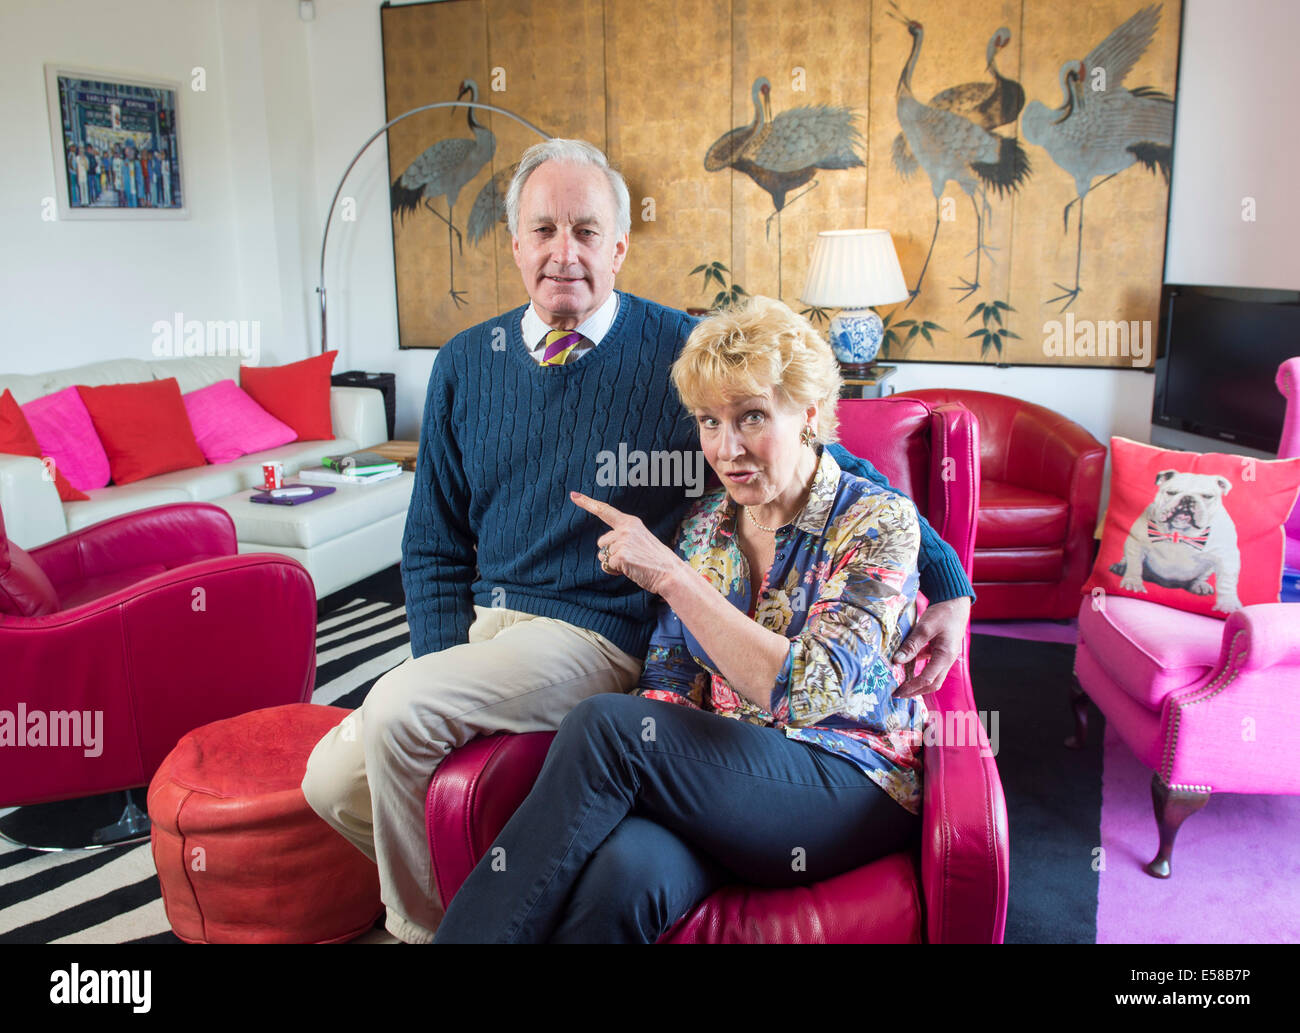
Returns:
<point x="856" y="334"/>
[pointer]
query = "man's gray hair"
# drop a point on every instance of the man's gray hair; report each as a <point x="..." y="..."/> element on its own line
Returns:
<point x="572" y="152"/>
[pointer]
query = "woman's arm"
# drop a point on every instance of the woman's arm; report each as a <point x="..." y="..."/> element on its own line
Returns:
<point x="942" y="575"/>
<point x="852" y="619"/>
<point x="747" y="654"/>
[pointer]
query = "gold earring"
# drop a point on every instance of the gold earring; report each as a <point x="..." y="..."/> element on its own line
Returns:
<point x="806" y="436"/>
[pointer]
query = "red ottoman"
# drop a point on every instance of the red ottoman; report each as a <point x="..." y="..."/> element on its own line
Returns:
<point x="241" y="856"/>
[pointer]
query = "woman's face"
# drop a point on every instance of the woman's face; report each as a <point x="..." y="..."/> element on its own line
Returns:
<point x="753" y="445"/>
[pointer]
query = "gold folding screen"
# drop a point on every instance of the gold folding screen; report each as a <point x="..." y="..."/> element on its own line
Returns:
<point x="658" y="83"/>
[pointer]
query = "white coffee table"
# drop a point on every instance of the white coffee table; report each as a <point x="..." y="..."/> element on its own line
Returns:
<point x="343" y="537"/>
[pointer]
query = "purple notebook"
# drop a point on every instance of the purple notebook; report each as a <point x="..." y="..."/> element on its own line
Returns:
<point x="317" y="491"/>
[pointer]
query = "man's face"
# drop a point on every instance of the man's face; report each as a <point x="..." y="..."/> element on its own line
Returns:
<point x="568" y="247"/>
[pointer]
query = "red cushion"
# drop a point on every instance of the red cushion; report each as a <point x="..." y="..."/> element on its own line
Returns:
<point x="16" y="438"/>
<point x="25" y="591"/>
<point x="1040" y="563"/>
<point x="1011" y="517"/>
<point x="1209" y="526"/>
<point x="143" y="427"/>
<point x="230" y="793"/>
<point x="297" y="394"/>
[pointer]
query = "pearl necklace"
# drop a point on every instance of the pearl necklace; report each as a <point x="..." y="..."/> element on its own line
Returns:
<point x="761" y="527"/>
<point x="772" y="530"/>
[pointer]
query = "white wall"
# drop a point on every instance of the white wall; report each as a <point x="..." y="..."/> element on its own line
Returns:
<point x="79" y="291"/>
<point x="289" y="103"/>
<point x="1237" y="138"/>
<point x="361" y="289"/>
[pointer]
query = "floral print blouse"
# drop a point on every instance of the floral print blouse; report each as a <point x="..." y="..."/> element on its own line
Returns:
<point x="842" y="587"/>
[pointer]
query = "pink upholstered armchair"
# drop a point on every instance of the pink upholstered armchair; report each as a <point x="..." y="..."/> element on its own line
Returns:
<point x="952" y="887"/>
<point x="152" y="621"/>
<point x="1183" y="690"/>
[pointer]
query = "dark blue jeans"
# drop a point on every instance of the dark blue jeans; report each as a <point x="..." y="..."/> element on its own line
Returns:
<point x="644" y="808"/>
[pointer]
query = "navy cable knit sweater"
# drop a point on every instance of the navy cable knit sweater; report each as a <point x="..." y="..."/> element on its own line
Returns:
<point x="502" y="443"/>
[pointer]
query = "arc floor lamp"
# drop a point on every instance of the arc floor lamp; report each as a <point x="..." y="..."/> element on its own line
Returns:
<point x="329" y="214"/>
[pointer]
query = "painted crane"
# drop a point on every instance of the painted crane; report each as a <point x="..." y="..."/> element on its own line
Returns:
<point x="781" y="154"/>
<point x="489" y="207"/>
<point x="949" y="146"/>
<point x="443" y="170"/>
<point x="987" y="104"/>
<point x="1101" y="128"/>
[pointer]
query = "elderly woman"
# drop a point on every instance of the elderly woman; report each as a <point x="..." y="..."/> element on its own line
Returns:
<point x="764" y="744"/>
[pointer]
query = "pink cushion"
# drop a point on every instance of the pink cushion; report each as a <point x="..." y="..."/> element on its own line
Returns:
<point x="1147" y="649"/>
<point x="228" y="423"/>
<point x="64" y="431"/>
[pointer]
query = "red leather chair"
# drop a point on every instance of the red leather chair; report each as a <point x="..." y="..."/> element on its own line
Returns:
<point x="952" y="887"/>
<point x="1040" y="489"/>
<point x="153" y="621"/>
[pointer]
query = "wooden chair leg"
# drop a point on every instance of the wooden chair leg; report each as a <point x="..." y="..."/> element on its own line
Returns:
<point x="1173" y="807"/>
<point x="1079" y="705"/>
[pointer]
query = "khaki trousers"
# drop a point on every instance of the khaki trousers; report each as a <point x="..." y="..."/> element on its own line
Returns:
<point x="369" y="776"/>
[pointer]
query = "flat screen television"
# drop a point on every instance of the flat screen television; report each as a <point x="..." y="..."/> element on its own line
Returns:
<point x="1216" y="360"/>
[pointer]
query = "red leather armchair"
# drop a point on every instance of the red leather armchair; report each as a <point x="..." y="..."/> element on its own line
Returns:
<point x="952" y="887"/>
<point x="1040" y="489"/>
<point x="152" y="621"/>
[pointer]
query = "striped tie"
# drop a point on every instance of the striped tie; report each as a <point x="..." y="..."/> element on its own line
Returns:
<point x="559" y="343"/>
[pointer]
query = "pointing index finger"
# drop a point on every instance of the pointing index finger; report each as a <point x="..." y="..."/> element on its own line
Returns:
<point x="602" y="510"/>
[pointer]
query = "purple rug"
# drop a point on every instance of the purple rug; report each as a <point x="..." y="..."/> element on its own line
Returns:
<point x="1236" y="865"/>
<point x="1035" y="631"/>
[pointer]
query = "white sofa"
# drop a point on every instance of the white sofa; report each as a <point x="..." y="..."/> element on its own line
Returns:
<point x="336" y="554"/>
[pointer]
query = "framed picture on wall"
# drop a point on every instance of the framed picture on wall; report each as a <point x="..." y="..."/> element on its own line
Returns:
<point x="116" y="144"/>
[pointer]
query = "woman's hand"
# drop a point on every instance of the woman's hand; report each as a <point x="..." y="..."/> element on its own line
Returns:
<point x="629" y="548"/>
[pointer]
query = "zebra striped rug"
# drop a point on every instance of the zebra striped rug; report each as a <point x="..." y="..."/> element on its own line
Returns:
<point x="112" y="895"/>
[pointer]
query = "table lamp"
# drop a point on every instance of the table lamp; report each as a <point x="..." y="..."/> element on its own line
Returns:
<point x="852" y="270"/>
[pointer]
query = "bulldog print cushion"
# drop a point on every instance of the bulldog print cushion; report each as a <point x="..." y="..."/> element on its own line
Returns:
<point x="1198" y="532"/>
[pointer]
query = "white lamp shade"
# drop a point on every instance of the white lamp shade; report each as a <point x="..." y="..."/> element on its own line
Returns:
<point x="853" y="269"/>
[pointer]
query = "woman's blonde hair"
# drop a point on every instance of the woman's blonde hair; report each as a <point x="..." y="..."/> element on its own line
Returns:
<point x="759" y="344"/>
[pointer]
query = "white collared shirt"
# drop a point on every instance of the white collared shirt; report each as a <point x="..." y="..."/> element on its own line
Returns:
<point x="594" y="329"/>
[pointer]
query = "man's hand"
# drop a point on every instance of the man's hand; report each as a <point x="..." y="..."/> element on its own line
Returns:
<point x="629" y="548"/>
<point x="939" y="635"/>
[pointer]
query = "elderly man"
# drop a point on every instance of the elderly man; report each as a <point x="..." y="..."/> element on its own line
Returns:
<point x="512" y="620"/>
